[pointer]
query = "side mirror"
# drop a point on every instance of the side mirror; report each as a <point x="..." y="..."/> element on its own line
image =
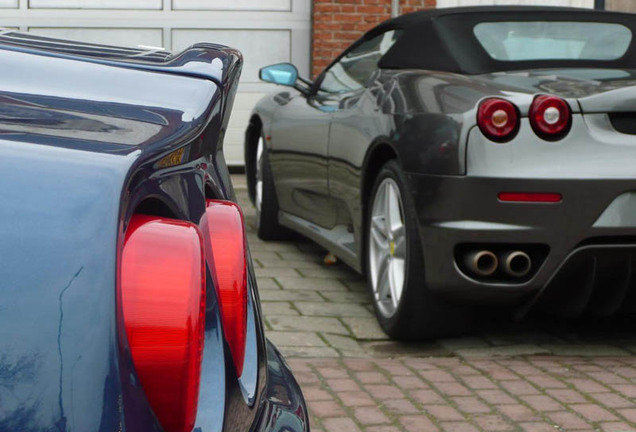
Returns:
<point x="283" y="74"/>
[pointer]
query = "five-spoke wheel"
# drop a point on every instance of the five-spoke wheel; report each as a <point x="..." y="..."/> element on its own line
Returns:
<point x="387" y="254"/>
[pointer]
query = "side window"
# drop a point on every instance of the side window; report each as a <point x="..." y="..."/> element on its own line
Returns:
<point x="354" y="69"/>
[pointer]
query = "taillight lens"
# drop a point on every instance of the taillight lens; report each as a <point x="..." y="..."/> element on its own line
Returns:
<point x="162" y="292"/>
<point x="224" y="238"/>
<point x="498" y="119"/>
<point x="550" y="117"/>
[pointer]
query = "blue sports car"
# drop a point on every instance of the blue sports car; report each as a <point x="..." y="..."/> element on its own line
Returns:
<point x="128" y="299"/>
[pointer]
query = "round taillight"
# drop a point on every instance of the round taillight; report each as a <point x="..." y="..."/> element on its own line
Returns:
<point x="224" y="238"/>
<point x="162" y="295"/>
<point x="550" y="117"/>
<point x="498" y="119"/>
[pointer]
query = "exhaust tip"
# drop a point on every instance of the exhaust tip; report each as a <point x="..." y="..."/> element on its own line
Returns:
<point x="482" y="263"/>
<point x="517" y="263"/>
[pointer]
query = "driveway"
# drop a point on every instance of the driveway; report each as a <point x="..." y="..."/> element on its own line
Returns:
<point x="539" y="375"/>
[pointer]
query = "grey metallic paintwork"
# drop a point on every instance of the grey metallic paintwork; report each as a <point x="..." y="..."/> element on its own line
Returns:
<point x="429" y="120"/>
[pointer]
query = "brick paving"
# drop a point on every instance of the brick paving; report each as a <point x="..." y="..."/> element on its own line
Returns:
<point x="532" y="376"/>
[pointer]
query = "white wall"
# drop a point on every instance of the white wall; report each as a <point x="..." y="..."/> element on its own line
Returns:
<point x="266" y="32"/>
<point x="574" y="3"/>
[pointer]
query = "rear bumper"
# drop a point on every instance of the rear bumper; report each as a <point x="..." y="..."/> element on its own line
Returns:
<point x="283" y="407"/>
<point x="455" y="211"/>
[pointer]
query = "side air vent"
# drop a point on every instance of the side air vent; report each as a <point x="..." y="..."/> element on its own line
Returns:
<point x="624" y="122"/>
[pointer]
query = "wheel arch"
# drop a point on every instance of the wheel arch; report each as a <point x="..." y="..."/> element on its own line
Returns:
<point x="252" y="134"/>
<point x="380" y="152"/>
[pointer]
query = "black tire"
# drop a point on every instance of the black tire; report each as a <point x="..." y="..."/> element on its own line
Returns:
<point x="267" y="226"/>
<point x="420" y="314"/>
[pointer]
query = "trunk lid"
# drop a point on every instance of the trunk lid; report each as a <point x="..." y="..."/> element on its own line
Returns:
<point x="596" y="90"/>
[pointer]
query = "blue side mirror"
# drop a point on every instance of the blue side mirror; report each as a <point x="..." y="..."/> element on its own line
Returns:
<point x="283" y="73"/>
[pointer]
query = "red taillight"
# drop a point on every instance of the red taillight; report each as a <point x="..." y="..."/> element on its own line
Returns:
<point x="224" y="238"/>
<point x="550" y="117"/>
<point x="162" y="292"/>
<point x="498" y="119"/>
<point x="530" y="197"/>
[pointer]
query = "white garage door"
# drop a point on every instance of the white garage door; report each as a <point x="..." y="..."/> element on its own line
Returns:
<point x="266" y="31"/>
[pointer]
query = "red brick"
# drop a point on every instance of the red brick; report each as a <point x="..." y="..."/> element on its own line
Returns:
<point x="340" y="425"/>
<point x="370" y="416"/>
<point x="518" y="413"/>
<point x="459" y="427"/>
<point x="326" y="409"/>
<point x="342" y="384"/>
<point x="543" y="403"/>
<point x="426" y="397"/>
<point x="444" y="413"/>
<point x="568" y="421"/>
<point x="593" y="412"/>
<point x="417" y="423"/>
<point x="356" y="16"/>
<point x="493" y="423"/>
<point x="355" y="398"/>
<point x="471" y="405"/>
<point x="400" y="406"/>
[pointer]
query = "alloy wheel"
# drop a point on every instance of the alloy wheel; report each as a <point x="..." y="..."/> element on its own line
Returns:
<point x="387" y="247"/>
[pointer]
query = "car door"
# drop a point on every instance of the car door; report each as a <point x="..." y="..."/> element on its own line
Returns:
<point x="299" y="137"/>
<point x="355" y="125"/>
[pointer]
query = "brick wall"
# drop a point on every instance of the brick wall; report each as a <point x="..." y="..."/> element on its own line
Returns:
<point x="338" y="23"/>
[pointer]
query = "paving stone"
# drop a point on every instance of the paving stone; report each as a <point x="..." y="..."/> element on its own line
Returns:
<point x="291" y="338"/>
<point x="356" y="398"/>
<point x="310" y="324"/>
<point x="278" y="273"/>
<point x="586" y="350"/>
<point x="329" y="272"/>
<point x="345" y="344"/>
<point x="417" y="423"/>
<point x="502" y="351"/>
<point x="296" y="282"/>
<point x="288" y="295"/>
<point x="296" y="255"/>
<point x="346" y="297"/>
<point x="278" y="262"/>
<point x="365" y="328"/>
<point x="265" y="283"/>
<point x="271" y="309"/>
<point x="527" y="377"/>
<point x="332" y="309"/>
<point x="340" y="425"/>
<point x="370" y="416"/>
<point x="309" y="352"/>
<point x="593" y="412"/>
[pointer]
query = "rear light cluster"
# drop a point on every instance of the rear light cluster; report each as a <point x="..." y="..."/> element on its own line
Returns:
<point x="222" y="227"/>
<point x="498" y="119"/>
<point x="550" y="118"/>
<point x="162" y="295"/>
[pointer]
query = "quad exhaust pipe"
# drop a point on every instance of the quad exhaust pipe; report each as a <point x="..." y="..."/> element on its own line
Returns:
<point x="482" y="263"/>
<point x="516" y="263"/>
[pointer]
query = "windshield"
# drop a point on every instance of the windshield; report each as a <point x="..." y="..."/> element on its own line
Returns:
<point x="553" y="40"/>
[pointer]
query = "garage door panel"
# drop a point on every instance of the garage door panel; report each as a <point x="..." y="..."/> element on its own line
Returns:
<point x="265" y="31"/>
<point x="96" y="4"/>
<point x="259" y="47"/>
<point x="119" y="37"/>
<point x="236" y="5"/>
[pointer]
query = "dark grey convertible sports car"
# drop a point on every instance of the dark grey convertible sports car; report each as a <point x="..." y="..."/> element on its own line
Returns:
<point x="462" y="157"/>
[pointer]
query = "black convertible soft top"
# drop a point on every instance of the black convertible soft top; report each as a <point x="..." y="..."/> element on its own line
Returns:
<point x="443" y="39"/>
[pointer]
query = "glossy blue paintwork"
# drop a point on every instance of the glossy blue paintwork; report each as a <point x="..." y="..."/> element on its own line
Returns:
<point x="84" y="143"/>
